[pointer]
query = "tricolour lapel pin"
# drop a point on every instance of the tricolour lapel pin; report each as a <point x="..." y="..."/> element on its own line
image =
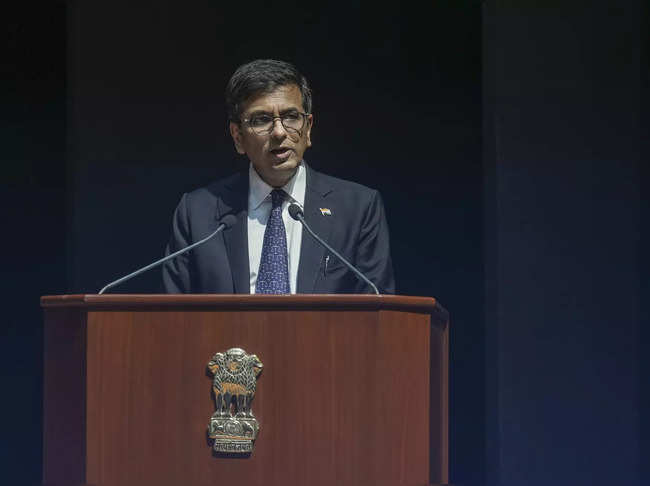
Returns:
<point x="325" y="211"/>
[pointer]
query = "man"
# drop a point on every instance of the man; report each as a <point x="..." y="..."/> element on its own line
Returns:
<point x="265" y="251"/>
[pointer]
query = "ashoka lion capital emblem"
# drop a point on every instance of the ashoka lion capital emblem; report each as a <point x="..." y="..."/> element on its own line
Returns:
<point x="233" y="426"/>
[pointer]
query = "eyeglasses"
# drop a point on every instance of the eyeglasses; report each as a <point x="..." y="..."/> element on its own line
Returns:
<point x="262" y="124"/>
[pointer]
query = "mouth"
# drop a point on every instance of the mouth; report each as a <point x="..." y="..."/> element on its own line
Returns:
<point x="281" y="153"/>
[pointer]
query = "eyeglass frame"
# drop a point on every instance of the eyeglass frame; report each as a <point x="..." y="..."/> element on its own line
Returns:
<point x="287" y="129"/>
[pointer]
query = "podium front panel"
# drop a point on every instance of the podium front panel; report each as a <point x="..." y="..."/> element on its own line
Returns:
<point x="343" y="398"/>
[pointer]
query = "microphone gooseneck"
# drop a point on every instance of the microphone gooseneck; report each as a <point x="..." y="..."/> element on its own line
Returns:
<point x="226" y="222"/>
<point x="297" y="213"/>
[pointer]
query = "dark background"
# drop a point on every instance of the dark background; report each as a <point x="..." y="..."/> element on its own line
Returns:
<point x="504" y="139"/>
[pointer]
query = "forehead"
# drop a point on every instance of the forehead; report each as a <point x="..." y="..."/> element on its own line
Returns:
<point x="282" y="98"/>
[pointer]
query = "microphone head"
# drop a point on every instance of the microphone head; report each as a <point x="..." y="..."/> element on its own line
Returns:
<point x="295" y="212"/>
<point x="228" y="220"/>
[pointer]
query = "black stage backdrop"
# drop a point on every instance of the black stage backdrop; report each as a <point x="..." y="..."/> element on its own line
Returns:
<point x="504" y="141"/>
<point x="562" y="165"/>
<point x="34" y="230"/>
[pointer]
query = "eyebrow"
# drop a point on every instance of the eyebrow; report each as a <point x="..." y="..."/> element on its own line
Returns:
<point x="263" y="112"/>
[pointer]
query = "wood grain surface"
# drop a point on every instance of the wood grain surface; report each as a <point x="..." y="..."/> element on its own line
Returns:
<point x="345" y="397"/>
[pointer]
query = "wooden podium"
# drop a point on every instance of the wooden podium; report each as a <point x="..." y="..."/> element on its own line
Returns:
<point x="353" y="392"/>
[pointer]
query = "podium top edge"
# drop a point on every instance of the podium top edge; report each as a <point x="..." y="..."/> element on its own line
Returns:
<point x="252" y="302"/>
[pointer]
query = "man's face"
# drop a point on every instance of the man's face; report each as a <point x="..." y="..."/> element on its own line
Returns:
<point x="275" y="155"/>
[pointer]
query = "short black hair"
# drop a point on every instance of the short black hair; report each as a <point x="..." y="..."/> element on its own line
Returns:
<point x="263" y="76"/>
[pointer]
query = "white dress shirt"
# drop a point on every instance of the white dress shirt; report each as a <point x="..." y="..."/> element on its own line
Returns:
<point x="259" y="210"/>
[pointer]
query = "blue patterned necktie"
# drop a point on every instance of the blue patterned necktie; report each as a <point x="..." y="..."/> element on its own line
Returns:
<point x="273" y="274"/>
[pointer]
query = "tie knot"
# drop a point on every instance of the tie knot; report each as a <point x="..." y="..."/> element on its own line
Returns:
<point x="277" y="197"/>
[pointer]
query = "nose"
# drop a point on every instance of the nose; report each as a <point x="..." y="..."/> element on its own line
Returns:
<point x="278" y="130"/>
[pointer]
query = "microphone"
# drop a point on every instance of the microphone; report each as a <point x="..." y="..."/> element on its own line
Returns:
<point x="296" y="213"/>
<point x="226" y="222"/>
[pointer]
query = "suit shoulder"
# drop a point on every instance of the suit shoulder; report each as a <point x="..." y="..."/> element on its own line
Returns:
<point x="343" y="185"/>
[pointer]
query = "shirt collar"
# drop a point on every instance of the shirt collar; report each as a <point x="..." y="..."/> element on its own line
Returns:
<point x="260" y="190"/>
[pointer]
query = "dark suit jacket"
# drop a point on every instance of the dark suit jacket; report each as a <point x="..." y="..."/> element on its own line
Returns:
<point x="356" y="228"/>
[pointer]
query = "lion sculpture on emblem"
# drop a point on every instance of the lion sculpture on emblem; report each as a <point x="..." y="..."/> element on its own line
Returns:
<point x="233" y="425"/>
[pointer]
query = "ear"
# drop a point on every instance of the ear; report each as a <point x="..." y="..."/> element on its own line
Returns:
<point x="235" y="133"/>
<point x="310" y="123"/>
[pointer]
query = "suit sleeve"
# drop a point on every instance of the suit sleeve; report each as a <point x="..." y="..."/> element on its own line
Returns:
<point x="176" y="275"/>
<point x="373" y="252"/>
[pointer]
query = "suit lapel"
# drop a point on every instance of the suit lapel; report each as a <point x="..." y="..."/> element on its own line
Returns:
<point x="311" y="252"/>
<point x="235" y="201"/>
